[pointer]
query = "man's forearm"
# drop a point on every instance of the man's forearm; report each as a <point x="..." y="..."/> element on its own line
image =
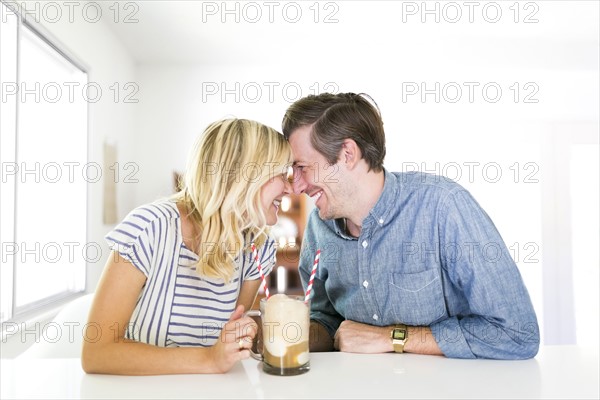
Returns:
<point x="319" y="338"/>
<point x="421" y="341"/>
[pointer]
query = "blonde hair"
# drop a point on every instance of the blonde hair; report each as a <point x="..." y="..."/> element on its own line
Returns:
<point x="221" y="190"/>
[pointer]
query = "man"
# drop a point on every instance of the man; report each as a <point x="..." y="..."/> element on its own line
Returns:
<point x="410" y="262"/>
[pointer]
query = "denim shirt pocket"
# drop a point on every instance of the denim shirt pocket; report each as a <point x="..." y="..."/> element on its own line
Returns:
<point x="417" y="299"/>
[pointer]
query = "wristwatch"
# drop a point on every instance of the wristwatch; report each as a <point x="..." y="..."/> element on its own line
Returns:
<point x="399" y="337"/>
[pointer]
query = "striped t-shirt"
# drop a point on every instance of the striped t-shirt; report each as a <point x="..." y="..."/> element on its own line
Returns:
<point x="177" y="307"/>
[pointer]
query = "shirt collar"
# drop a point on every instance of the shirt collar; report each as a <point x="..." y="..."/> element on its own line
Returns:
<point x="383" y="208"/>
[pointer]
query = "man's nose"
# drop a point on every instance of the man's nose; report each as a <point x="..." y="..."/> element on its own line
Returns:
<point x="299" y="184"/>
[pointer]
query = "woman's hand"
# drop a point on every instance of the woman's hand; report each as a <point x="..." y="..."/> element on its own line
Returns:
<point x="234" y="342"/>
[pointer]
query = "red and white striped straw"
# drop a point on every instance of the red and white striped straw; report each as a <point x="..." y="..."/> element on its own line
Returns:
<point x="260" y="271"/>
<point x="312" y="276"/>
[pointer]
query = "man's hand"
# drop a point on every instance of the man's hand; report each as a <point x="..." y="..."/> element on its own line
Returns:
<point x="354" y="337"/>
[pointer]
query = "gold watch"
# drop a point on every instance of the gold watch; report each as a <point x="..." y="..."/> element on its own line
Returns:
<point x="399" y="337"/>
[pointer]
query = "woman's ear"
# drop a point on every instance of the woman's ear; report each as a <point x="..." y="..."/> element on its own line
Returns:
<point x="350" y="154"/>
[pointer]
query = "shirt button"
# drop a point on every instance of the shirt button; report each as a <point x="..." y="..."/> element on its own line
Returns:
<point x="375" y="317"/>
<point x="365" y="244"/>
<point x="365" y="284"/>
<point x="380" y="221"/>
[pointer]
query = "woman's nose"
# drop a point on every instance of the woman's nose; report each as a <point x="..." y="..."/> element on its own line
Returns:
<point x="287" y="187"/>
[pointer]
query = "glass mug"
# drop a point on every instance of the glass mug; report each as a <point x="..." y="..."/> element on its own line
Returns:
<point x="285" y="323"/>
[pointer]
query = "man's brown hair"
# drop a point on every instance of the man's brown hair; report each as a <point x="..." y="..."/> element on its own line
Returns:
<point x="336" y="117"/>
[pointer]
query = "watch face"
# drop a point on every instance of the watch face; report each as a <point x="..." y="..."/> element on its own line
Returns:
<point x="399" y="334"/>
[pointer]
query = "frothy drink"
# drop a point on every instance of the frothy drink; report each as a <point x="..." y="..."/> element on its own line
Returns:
<point x="285" y="324"/>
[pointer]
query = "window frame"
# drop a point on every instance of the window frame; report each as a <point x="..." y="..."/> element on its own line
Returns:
<point x="44" y="305"/>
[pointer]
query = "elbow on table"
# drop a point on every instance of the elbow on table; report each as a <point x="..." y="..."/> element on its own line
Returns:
<point x="529" y="344"/>
<point x="522" y="350"/>
<point x="529" y="349"/>
<point x="89" y="359"/>
<point x="515" y="351"/>
<point x="522" y="343"/>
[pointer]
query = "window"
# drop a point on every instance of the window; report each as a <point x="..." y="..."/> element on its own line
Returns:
<point x="44" y="170"/>
<point x="584" y="200"/>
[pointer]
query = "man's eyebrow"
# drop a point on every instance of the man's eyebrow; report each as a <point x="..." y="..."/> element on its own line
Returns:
<point x="299" y="161"/>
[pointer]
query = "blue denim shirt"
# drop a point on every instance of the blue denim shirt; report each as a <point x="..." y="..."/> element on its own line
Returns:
<point x="427" y="255"/>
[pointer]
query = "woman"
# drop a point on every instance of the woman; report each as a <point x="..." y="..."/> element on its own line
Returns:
<point x="181" y="272"/>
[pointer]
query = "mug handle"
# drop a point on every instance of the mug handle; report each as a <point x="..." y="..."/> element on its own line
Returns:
<point x="254" y="313"/>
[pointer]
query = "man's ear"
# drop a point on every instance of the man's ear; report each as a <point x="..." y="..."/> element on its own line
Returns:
<point x="350" y="154"/>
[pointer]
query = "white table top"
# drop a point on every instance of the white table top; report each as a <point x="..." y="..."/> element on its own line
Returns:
<point x="556" y="372"/>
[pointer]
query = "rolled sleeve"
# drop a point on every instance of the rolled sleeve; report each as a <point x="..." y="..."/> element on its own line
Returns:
<point x="450" y="339"/>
